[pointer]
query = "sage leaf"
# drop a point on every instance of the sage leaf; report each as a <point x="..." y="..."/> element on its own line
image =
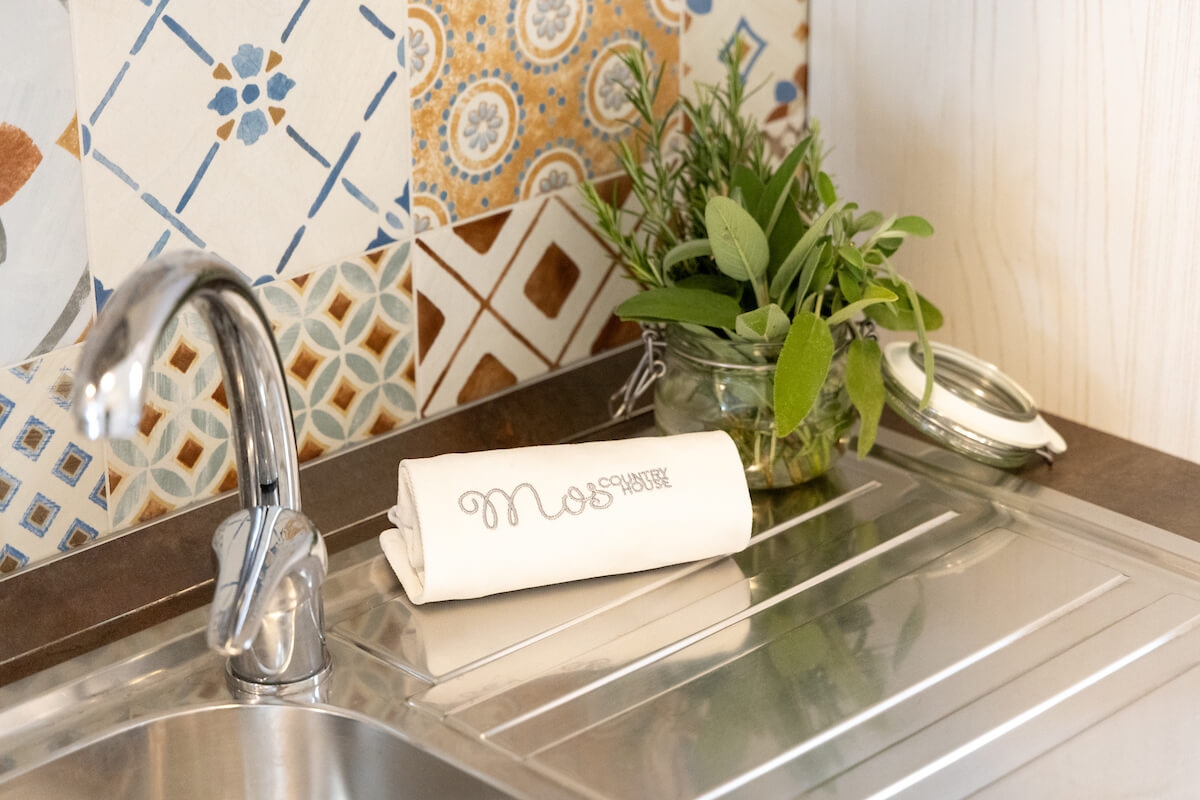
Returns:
<point x="795" y="259"/>
<point x="721" y="284"/>
<point x="850" y="254"/>
<point x="872" y="295"/>
<point x="914" y="226"/>
<point x="783" y="237"/>
<point x="803" y="365"/>
<point x="750" y="184"/>
<point x="766" y="324"/>
<point x="676" y="304"/>
<point x="864" y="384"/>
<point x="899" y="316"/>
<point x="739" y="245"/>
<point x="867" y="221"/>
<point x="685" y="251"/>
<point x="825" y="189"/>
<point x="849" y="286"/>
<point x="775" y="195"/>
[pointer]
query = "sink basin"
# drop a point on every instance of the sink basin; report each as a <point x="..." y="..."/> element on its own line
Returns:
<point x="250" y="751"/>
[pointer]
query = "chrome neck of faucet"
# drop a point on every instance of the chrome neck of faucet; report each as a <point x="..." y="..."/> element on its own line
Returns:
<point x="267" y="614"/>
<point x="117" y="357"/>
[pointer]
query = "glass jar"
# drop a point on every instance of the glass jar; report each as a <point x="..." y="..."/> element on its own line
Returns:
<point x="714" y="384"/>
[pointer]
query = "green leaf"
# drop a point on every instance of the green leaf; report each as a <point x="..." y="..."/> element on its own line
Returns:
<point x="738" y="243"/>
<point x="795" y="259"/>
<point x="766" y="324"/>
<point x="803" y="365"/>
<point x="899" y="316"/>
<point x="750" y="184"/>
<point x="774" y="196"/>
<point x="676" y="304"/>
<point x="685" y="251"/>
<point x="872" y="296"/>
<point x="825" y="189"/>
<point x="784" y="235"/>
<point x="721" y="284"/>
<point x="851" y="255"/>
<point x="864" y="384"/>
<point x="849" y="286"/>
<point x="914" y="226"/>
<point x="867" y="221"/>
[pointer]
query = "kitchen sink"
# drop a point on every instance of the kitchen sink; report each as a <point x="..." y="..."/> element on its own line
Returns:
<point x="248" y="751"/>
<point x="911" y="625"/>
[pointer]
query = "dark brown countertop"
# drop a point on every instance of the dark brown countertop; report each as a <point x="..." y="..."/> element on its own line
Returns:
<point x="1117" y="474"/>
<point x="129" y="582"/>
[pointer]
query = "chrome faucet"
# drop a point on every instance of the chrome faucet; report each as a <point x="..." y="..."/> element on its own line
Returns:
<point x="267" y="614"/>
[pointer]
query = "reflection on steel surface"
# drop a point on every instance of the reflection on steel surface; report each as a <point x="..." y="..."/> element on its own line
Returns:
<point x="910" y="626"/>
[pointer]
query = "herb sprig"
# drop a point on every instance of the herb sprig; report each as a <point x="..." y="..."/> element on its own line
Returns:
<point x="737" y="250"/>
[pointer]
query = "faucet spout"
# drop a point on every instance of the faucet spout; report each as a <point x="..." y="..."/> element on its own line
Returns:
<point x="267" y="614"/>
<point x="118" y="354"/>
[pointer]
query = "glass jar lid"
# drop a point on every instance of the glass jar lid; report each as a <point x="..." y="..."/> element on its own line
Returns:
<point x="975" y="409"/>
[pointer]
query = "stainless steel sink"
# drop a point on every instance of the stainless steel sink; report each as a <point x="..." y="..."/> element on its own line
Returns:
<point x="247" y="751"/>
<point x="913" y="625"/>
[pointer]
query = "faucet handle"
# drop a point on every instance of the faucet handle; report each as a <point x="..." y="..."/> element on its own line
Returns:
<point x="266" y="611"/>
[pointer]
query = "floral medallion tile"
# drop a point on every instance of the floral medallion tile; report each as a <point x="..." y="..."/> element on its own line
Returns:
<point x="53" y="495"/>
<point x="272" y="133"/>
<point x="345" y="335"/>
<point x="514" y="99"/>
<point x="45" y="299"/>
<point x="508" y="296"/>
<point x="771" y="37"/>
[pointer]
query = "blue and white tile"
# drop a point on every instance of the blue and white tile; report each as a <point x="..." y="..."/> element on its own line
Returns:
<point x="45" y="299"/>
<point x="772" y="37"/>
<point x="272" y="133"/>
<point x="345" y="335"/>
<point x="52" y="479"/>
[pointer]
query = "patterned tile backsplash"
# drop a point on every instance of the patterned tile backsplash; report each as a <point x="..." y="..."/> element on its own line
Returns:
<point x="396" y="178"/>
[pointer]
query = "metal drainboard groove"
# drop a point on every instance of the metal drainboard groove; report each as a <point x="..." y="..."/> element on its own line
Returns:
<point x="825" y="507"/>
<point x="687" y="641"/>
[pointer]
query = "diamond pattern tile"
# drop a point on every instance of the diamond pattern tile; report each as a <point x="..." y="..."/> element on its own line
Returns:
<point x="51" y="477"/>
<point x="505" y="297"/>
<point x="345" y="335"/>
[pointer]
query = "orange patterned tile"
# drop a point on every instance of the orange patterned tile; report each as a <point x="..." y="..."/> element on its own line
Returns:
<point x="514" y="99"/>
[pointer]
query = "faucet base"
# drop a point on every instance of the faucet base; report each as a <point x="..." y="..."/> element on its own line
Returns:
<point x="308" y="690"/>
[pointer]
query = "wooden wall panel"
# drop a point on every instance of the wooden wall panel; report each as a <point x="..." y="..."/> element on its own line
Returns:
<point x="1055" y="146"/>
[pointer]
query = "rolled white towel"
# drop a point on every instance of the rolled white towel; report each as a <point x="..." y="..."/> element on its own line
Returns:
<point x="473" y="524"/>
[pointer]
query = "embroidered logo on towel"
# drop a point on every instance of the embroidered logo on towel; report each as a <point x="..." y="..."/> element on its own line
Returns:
<point x="574" y="501"/>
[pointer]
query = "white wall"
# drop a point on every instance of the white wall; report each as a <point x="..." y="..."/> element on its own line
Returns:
<point x="1055" y="146"/>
